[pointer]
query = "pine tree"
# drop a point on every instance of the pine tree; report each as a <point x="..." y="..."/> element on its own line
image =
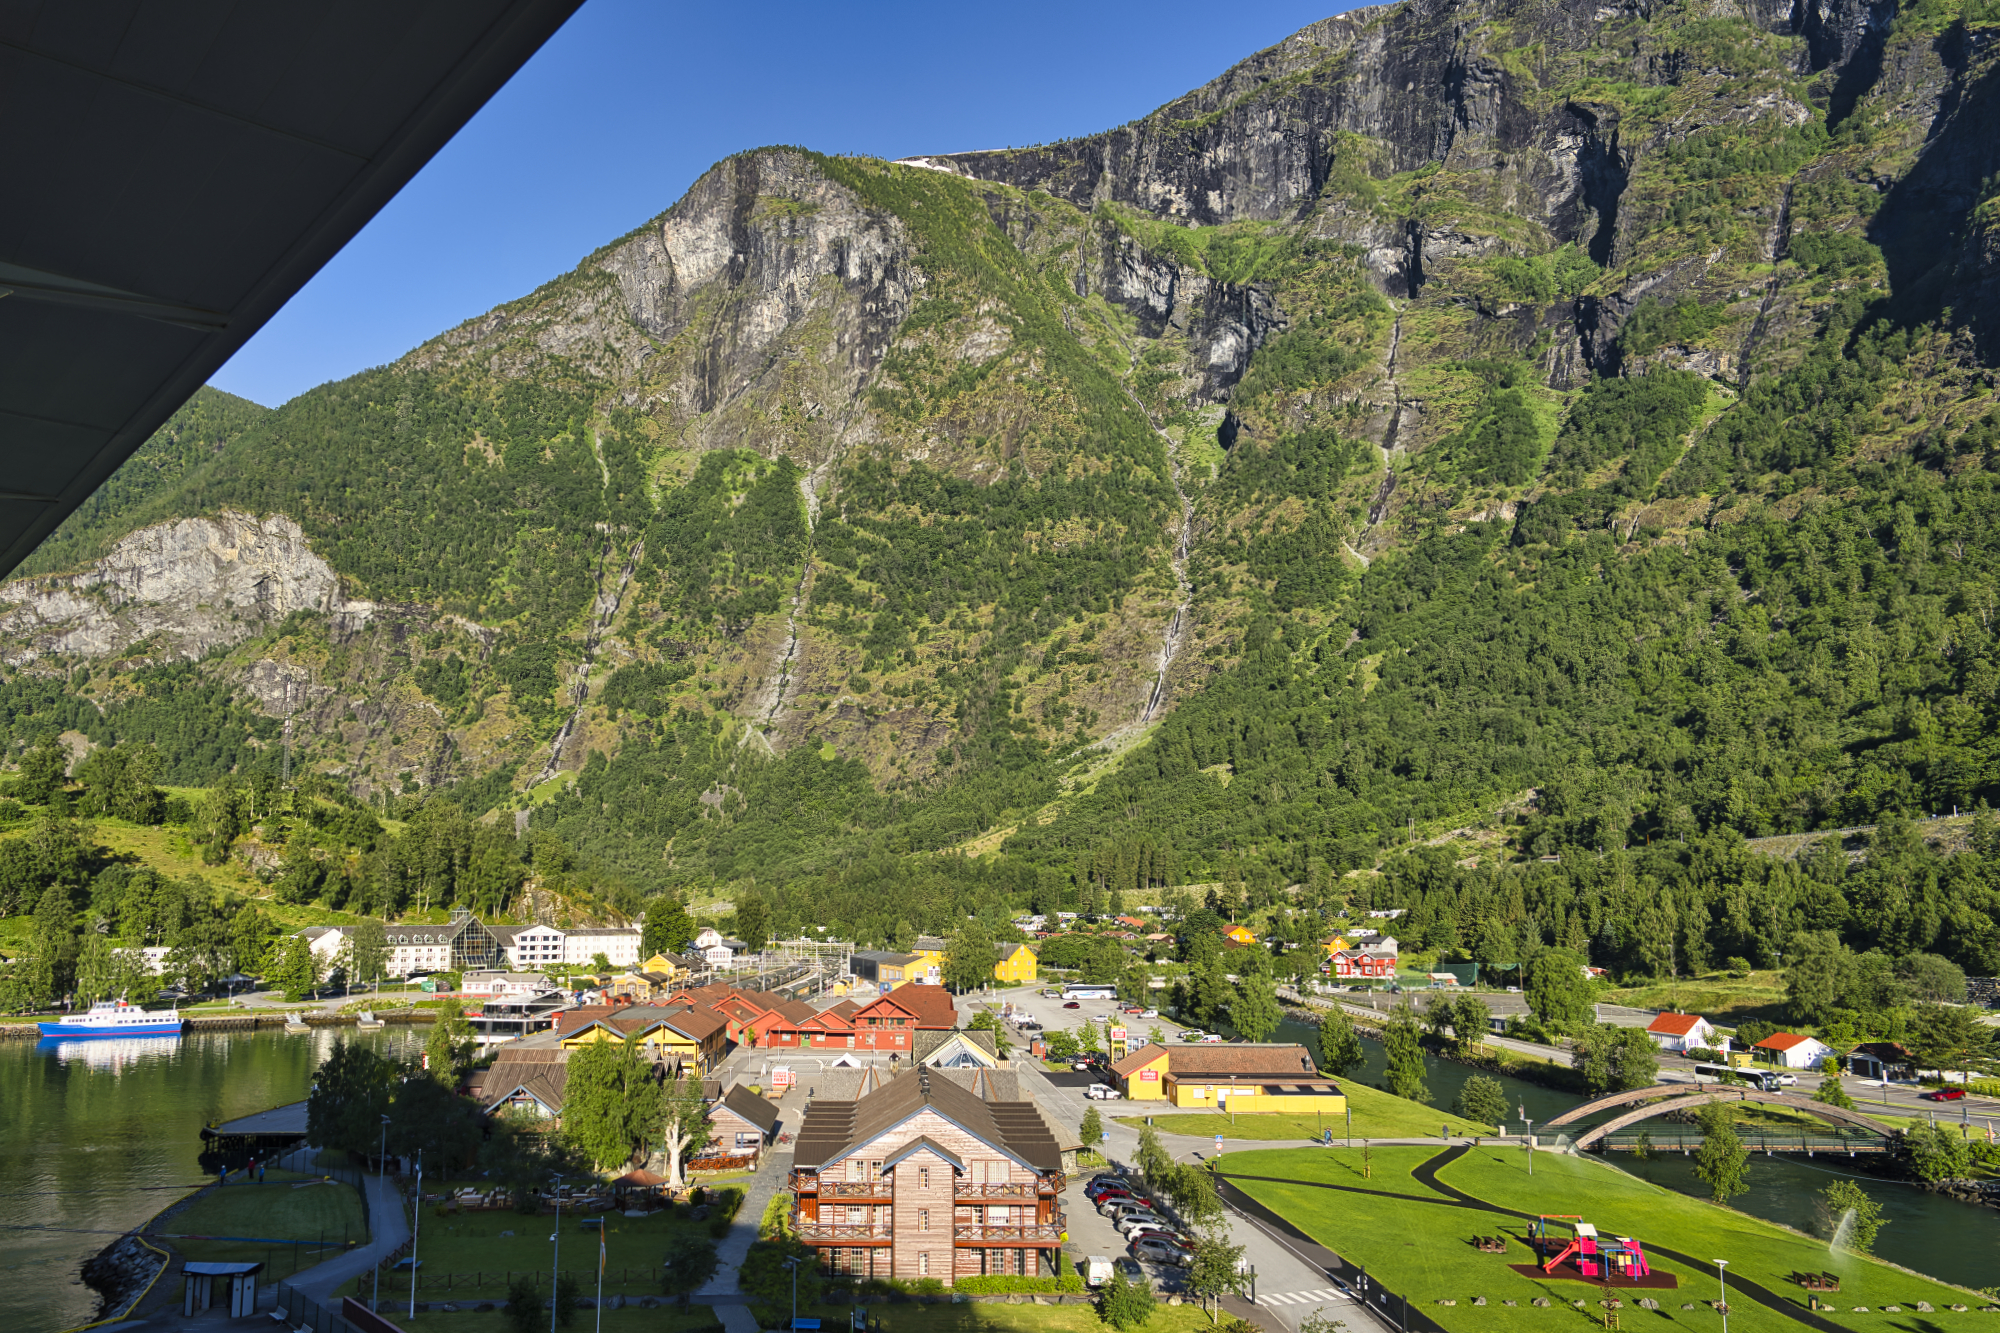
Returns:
<point x="1719" y="1162"/>
<point x="1405" y="1056"/>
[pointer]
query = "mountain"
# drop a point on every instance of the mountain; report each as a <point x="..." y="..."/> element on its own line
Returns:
<point x="1519" y="426"/>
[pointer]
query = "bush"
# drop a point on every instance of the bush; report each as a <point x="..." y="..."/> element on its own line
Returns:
<point x="567" y="1291"/>
<point x="1703" y="1054"/>
<point x="1126" y="1305"/>
<point x="524" y="1305"/>
<point x="1068" y="1284"/>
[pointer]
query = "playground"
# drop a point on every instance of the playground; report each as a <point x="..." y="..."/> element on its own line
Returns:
<point x="1462" y="1234"/>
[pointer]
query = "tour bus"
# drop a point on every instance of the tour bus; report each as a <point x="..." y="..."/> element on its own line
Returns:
<point x="1764" y="1080"/>
<point x="1089" y="990"/>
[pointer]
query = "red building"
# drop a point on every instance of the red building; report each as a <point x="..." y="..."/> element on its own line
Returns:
<point x="1362" y="965"/>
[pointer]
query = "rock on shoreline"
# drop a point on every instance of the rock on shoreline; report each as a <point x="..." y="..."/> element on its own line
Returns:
<point x="119" y="1272"/>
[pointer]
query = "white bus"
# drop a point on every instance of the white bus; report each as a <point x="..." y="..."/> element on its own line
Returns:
<point x="1764" y="1080"/>
<point x="1089" y="990"/>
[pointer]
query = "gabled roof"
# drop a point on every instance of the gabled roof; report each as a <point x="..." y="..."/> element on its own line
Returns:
<point x="1675" y="1025"/>
<point x="1138" y="1059"/>
<point x="931" y="1044"/>
<point x="833" y="1129"/>
<point x="885" y="957"/>
<point x="1782" y="1041"/>
<point x="750" y="1107"/>
<point x="931" y="943"/>
<point x="923" y="1143"/>
<point x="1240" y="1060"/>
<point x="1005" y="949"/>
<point x="931" y="1005"/>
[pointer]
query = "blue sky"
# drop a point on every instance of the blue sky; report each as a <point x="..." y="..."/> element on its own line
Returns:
<point x="634" y="99"/>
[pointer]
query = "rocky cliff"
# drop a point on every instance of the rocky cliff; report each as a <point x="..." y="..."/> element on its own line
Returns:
<point x="913" y="463"/>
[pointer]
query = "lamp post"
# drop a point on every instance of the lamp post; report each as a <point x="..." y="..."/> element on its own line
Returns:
<point x="382" y="1169"/>
<point x="555" y="1260"/>
<point x="1529" y="1135"/>
<point x="793" y="1265"/>
<point x="416" y="1223"/>
<point x="1722" y="1280"/>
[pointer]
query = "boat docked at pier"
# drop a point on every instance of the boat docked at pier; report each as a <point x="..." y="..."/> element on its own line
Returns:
<point x="115" y="1018"/>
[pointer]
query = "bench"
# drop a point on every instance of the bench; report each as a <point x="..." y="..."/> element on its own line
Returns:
<point x="1817" y="1281"/>
<point x="1490" y="1244"/>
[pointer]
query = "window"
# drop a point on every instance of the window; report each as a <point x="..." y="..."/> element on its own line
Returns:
<point x="923" y="1219"/>
<point x="924" y="1264"/>
<point x="854" y="1168"/>
<point x="923" y="1177"/>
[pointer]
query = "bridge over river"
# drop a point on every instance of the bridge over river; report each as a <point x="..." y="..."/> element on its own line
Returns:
<point x="1857" y="1133"/>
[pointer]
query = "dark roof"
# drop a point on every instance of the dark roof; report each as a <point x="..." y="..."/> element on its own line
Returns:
<point x="832" y="1129"/>
<point x="1239" y="1060"/>
<point x="757" y="1110"/>
<point x="885" y="956"/>
<point x="179" y="170"/>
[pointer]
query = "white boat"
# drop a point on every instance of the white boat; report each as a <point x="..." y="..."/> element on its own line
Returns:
<point x="115" y="1018"/>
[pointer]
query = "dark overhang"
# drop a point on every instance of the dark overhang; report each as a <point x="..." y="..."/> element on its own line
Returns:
<point x="173" y="171"/>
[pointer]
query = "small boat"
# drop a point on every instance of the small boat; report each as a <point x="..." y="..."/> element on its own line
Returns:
<point x="366" y="1019"/>
<point x="294" y="1024"/>
<point x="115" y="1018"/>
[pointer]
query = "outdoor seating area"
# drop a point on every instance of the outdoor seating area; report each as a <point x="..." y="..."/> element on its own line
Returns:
<point x="1490" y="1244"/>
<point x="1817" y="1281"/>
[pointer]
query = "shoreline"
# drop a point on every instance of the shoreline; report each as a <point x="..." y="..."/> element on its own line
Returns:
<point x="26" y="1029"/>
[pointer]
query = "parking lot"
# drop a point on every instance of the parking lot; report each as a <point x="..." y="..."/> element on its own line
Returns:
<point x="1054" y="1015"/>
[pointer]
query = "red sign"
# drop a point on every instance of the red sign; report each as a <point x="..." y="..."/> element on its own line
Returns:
<point x="1149" y="1076"/>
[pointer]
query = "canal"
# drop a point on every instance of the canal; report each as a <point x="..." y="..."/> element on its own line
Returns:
<point x="1958" y="1242"/>
<point x="97" y="1136"/>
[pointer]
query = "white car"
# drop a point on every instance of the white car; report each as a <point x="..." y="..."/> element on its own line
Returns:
<point x="1210" y="1038"/>
<point x="1150" y="1013"/>
<point x="1098" y="1092"/>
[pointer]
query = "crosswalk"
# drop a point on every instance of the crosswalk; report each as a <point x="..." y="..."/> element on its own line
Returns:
<point x="1320" y="1297"/>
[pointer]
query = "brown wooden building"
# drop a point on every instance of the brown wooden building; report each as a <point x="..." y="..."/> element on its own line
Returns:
<point x="925" y="1178"/>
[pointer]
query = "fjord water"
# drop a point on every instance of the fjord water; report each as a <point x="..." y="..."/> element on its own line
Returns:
<point x="1934" y="1235"/>
<point x="97" y="1136"/>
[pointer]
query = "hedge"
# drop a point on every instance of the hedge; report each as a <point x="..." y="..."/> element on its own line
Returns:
<point x="1069" y="1284"/>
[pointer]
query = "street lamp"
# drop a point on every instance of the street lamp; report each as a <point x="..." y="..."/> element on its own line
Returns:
<point x="381" y="1169"/>
<point x="1722" y="1280"/>
<point x="416" y="1222"/>
<point x="793" y="1265"/>
<point x="555" y="1261"/>
<point x="1529" y="1135"/>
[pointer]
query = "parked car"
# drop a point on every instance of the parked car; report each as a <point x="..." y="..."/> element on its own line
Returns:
<point x="1106" y="1180"/>
<point x="1096" y="1270"/>
<point x="1787" y="1080"/>
<point x="1149" y="1013"/>
<point x="1131" y="1269"/>
<point x="1102" y="1092"/>
<point x="1210" y="1038"/>
<point x="1943" y="1095"/>
<point x="1131" y="1009"/>
<point x="1159" y="1251"/>
<point x="1119" y="1209"/>
<point x="1114" y="1194"/>
<point x="1130" y="1224"/>
<point x="1073" y="1004"/>
<point x="1028" y="1025"/>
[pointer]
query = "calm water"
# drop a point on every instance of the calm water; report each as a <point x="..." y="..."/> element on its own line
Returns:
<point x="1957" y="1242"/>
<point x="97" y="1136"/>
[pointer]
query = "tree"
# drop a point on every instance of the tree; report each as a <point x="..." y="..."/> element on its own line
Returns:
<point x="1482" y="1099"/>
<point x="1061" y="1045"/>
<point x="984" y="1021"/>
<point x="96" y="970"/>
<point x="1212" y="991"/>
<point x="1719" y="1162"/>
<point x="968" y="958"/>
<point x="350" y="1094"/>
<point x="1469" y="1019"/>
<point x="1936" y="1153"/>
<point x="1405" y="1056"/>
<point x="44" y="771"/>
<point x="1846" y="1214"/>
<point x="524" y="1305"/>
<point x="611" y="1102"/>
<point x="1559" y="992"/>
<point x="1339" y="1044"/>
<point x="1930" y="979"/>
<point x="1126" y="1305"/>
<point x="1831" y="1093"/>
<point x="668" y="928"/>
<point x="1255" y="1013"/>
<point x="370" y="944"/>
<point x="1192" y="1189"/>
<point x="1152" y="1158"/>
<point x="1615" y="1059"/>
<point x="684" y="1128"/>
<point x="1213" y="1270"/>
<point x="297" y="970"/>
<point x="451" y="1043"/>
<point x="753" y="923"/>
<point x="768" y="1282"/>
<point x="690" y="1263"/>
<point x="1819" y="975"/>
<point x="1092" y="1130"/>
<point x="1948" y="1036"/>
<point x="427" y="1116"/>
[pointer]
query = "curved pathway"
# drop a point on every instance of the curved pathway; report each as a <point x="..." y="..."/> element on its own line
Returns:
<point x="1449" y="1196"/>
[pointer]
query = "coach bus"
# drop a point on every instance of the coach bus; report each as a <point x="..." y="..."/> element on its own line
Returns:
<point x="1089" y="990"/>
<point x="1764" y="1080"/>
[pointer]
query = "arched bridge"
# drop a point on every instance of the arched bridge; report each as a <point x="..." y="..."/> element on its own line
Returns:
<point x="1678" y="1098"/>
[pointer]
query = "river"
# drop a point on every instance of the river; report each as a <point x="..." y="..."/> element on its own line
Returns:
<point x="97" y="1136"/>
<point x="1957" y="1242"/>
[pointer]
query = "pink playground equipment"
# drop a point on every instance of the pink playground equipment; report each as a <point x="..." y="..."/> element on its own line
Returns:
<point x="1612" y="1258"/>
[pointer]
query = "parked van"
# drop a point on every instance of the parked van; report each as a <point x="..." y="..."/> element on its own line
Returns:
<point x="1096" y="1270"/>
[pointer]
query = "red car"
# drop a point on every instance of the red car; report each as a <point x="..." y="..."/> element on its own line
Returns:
<point x="1073" y="1005"/>
<point x="1944" y="1095"/>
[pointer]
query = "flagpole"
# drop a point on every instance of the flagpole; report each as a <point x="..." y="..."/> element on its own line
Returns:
<point x="600" y="1275"/>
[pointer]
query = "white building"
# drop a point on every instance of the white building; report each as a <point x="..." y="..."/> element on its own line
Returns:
<point x="716" y="949"/>
<point x="1681" y="1032"/>
<point x="1790" y="1050"/>
<point x="531" y="948"/>
<point x="619" y="945"/>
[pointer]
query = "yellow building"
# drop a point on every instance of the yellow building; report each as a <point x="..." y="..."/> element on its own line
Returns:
<point x="930" y="952"/>
<point x="1241" y="934"/>
<point x="1338" y="944"/>
<point x="1242" y="1078"/>
<point x="698" y="1037"/>
<point x="1016" y="965"/>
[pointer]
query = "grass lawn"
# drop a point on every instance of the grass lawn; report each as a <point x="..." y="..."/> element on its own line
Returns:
<point x="1377" y="1115"/>
<point x="282" y="1208"/>
<point x="1389" y="1168"/>
<point x="698" y="1319"/>
<point x="979" y="1318"/>
<point x="474" y="1255"/>
<point x="1424" y="1249"/>
<point x="1723" y="999"/>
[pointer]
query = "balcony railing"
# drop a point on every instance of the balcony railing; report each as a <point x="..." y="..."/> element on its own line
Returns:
<point x="1033" y="1233"/>
<point x="1014" y="1189"/>
<point x="840" y="1231"/>
<point x="856" y="1189"/>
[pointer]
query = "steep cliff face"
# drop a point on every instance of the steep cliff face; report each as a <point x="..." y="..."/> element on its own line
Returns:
<point x="913" y="463"/>
<point x="188" y="587"/>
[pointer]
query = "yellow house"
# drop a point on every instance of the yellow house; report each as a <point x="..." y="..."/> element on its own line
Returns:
<point x="1142" y="1075"/>
<point x="1242" y="1078"/>
<point x="663" y="965"/>
<point x="1241" y="934"/>
<point x="930" y="952"/>
<point x="698" y="1037"/>
<point x="1016" y="965"/>
<point x="1338" y="944"/>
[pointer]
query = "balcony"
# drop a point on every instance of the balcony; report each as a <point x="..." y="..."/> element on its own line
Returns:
<point x="968" y="1191"/>
<point x="1028" y="1233"/>
<point x="841" y="1233"/>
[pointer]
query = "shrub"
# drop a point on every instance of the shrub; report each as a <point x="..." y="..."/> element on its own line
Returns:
<point x="997" y="1284"/>
<point x="524" y="1305"/>
<point x="1126" y="1305"/>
